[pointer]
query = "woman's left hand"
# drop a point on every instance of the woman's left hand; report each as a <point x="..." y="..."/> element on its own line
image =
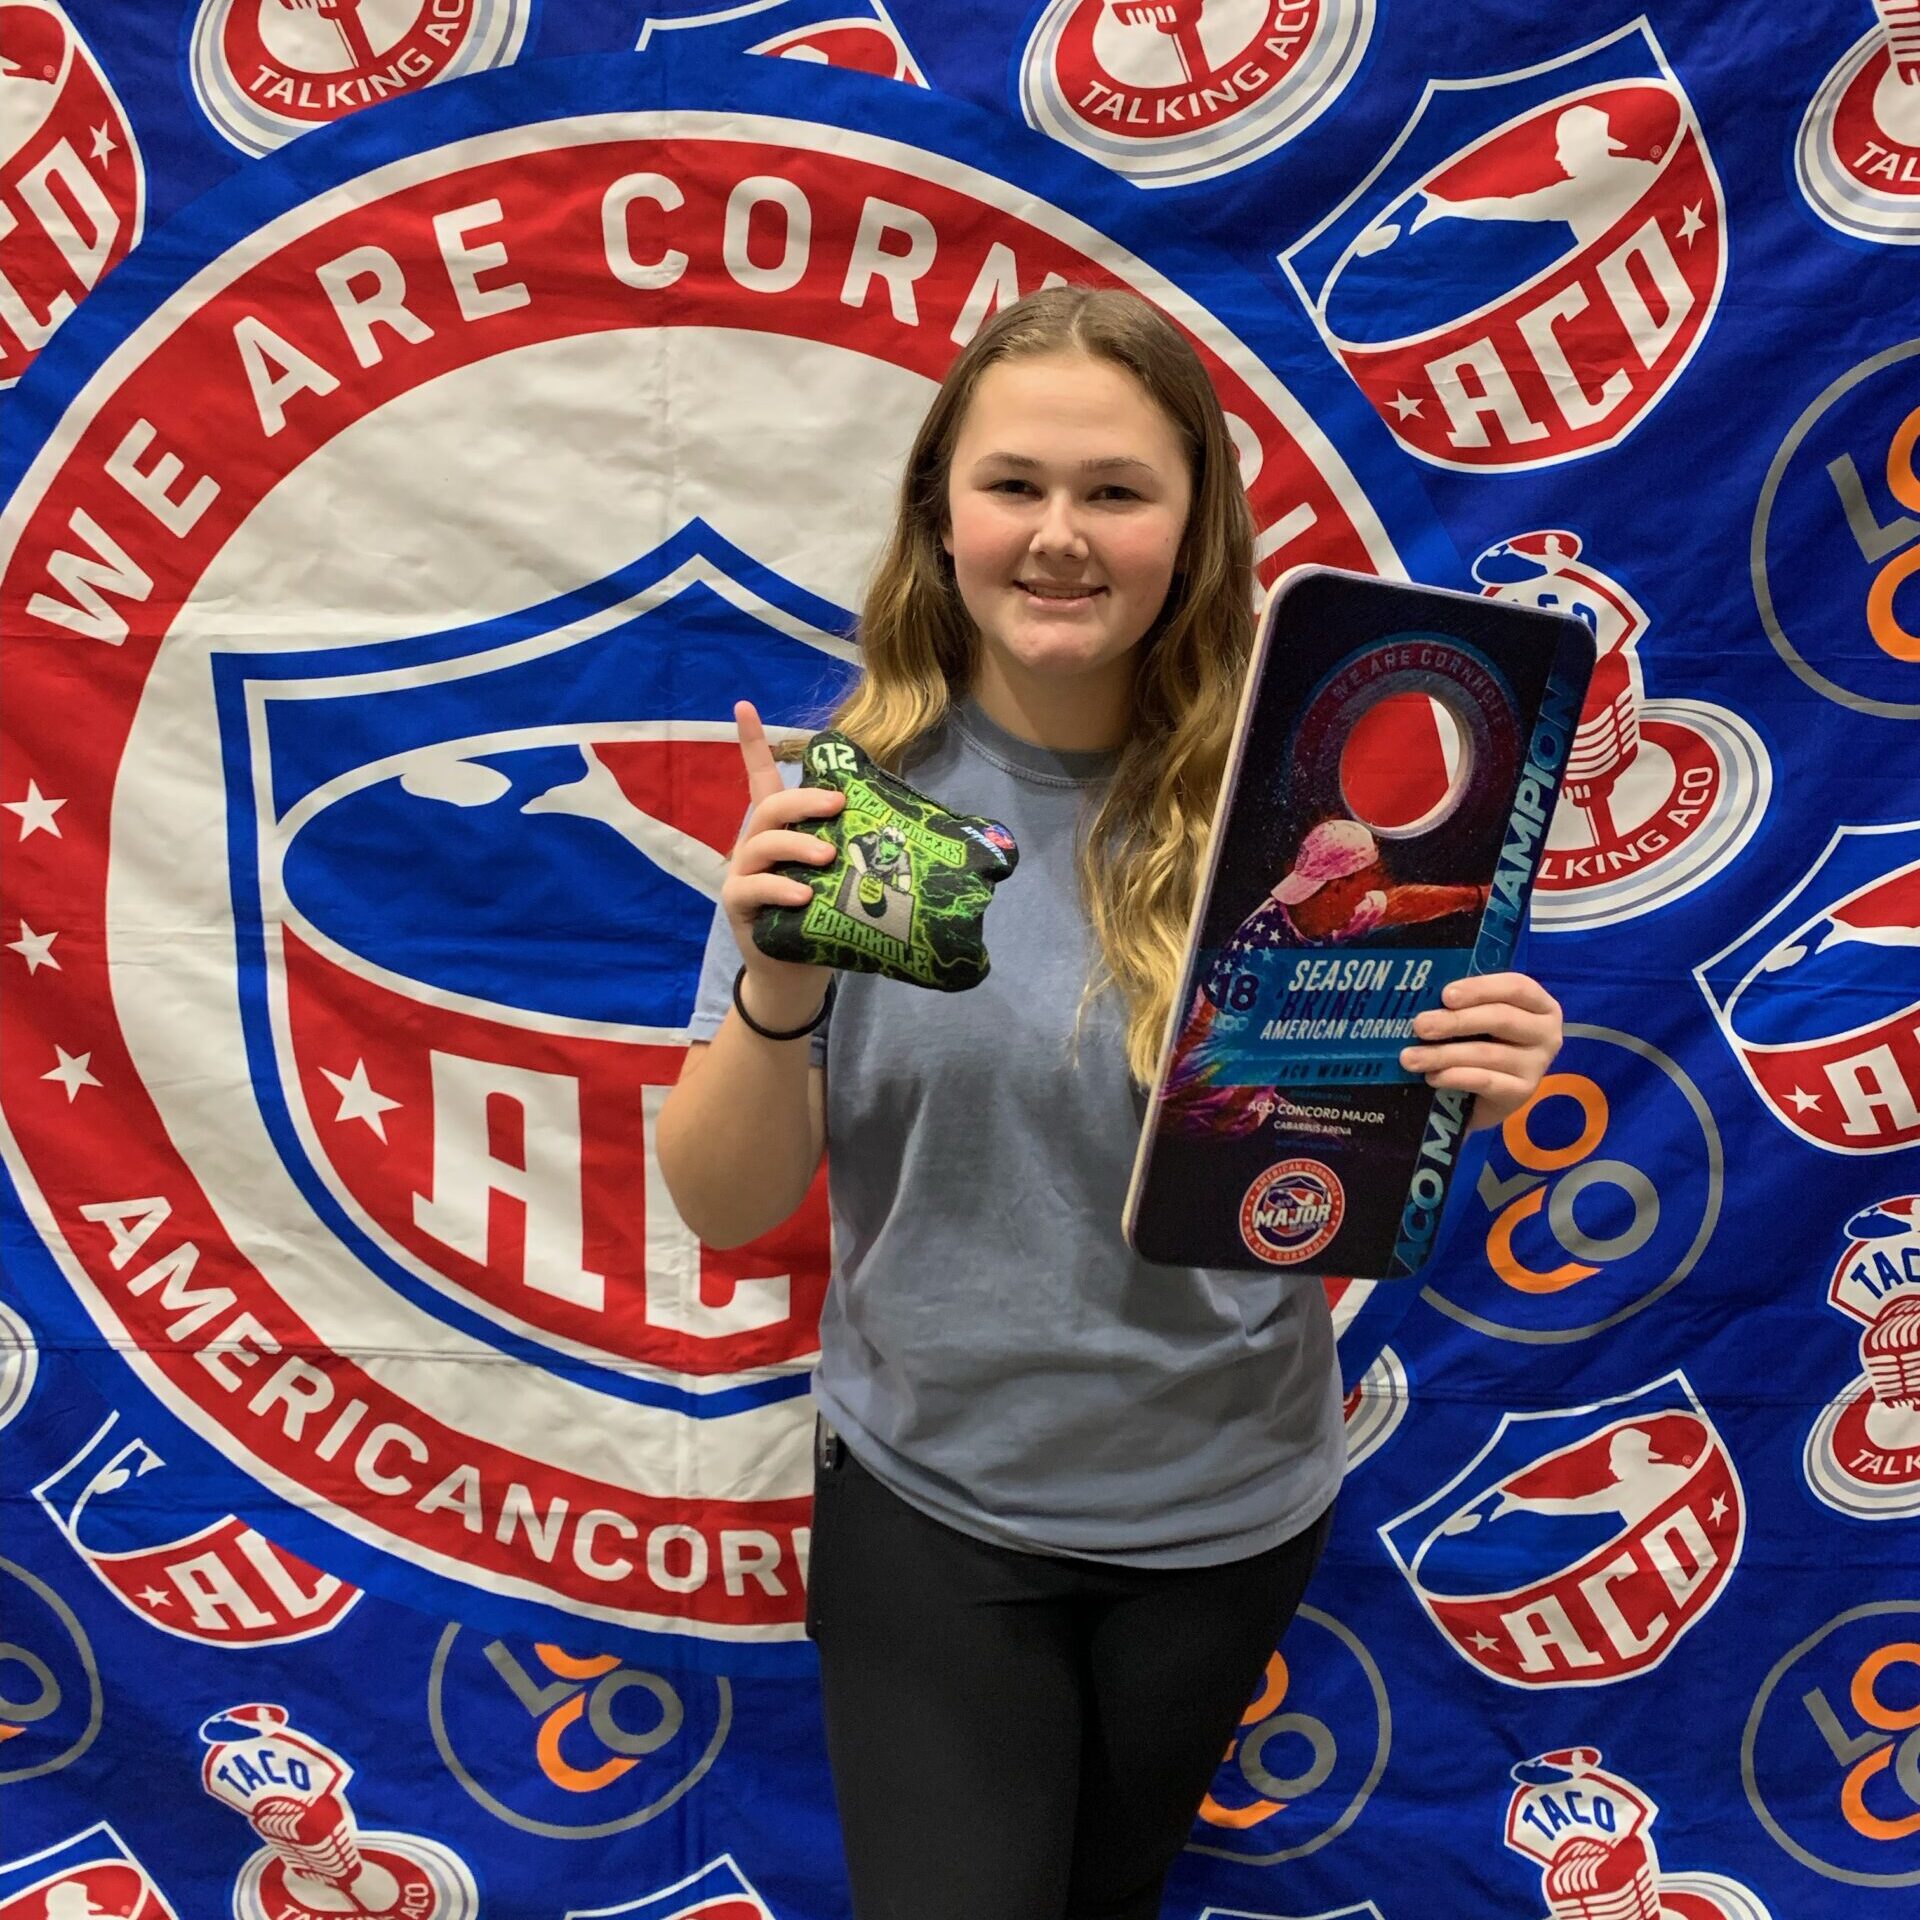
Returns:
<point x="1494" y="1035"/>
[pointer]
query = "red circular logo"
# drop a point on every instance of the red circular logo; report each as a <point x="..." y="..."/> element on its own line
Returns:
<point x="1292" y="1211"/>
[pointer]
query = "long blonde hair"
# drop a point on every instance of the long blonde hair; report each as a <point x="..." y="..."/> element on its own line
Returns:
<point x="1139" y="857"/>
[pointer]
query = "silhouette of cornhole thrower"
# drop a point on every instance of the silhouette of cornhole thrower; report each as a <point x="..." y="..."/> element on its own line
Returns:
<point x="1394" y="771"/>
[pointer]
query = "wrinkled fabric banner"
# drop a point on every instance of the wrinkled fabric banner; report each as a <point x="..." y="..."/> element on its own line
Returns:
<point x="420" y="421"/>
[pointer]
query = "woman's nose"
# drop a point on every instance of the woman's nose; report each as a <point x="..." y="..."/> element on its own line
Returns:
<point x="1059" y="528"/>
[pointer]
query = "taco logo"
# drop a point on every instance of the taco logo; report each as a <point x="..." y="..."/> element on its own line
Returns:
<point x="1858" y="155"/>
<point x="1863" y="1452"/>
<point x="1660" y="795"/>
<point x="267" y="70"/>
<point x="1170" y="92"/>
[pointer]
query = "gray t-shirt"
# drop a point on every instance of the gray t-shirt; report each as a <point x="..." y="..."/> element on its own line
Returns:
<point x="990" y="1348"/>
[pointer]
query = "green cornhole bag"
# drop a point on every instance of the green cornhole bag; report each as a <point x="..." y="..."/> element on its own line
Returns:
<point x="909" y="892"/>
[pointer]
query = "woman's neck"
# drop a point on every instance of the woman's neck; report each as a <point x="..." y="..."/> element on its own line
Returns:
<point x="1088" y="714"/>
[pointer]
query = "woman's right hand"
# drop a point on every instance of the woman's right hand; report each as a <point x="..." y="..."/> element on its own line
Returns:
<point x="781" y="993"/>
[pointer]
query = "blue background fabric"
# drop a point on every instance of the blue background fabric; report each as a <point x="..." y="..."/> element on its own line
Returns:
<point x="422" y="419"/>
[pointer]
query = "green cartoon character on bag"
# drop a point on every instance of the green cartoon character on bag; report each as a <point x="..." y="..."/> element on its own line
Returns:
<point x="909" y="893"/>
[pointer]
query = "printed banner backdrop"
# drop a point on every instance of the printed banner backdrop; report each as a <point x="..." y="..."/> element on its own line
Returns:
<point x="422" y="420"/>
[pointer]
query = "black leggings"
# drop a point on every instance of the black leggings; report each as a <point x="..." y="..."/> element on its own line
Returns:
<point x="1016" y="1736"/>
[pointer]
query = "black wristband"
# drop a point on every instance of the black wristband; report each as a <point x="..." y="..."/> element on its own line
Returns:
<point x="770" y="1033"/>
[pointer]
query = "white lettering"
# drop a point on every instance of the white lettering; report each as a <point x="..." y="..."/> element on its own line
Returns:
<point x="467" y="1173"/>
<point x="1496" y="397"/>
<point x="768" y="190"/>
<point x="1598" y="1589"/>
<point x="381" y="305"/>
<point x="1648" y="245"/>
<point x="616" y="233"/>
<point x="215" y="1598"/>
<point x="366" y="1464"/>
<point x="466" y="263"/>
<point x="673" y="1262"/>
<point x="1850" y="1079"/>
<point x="299" y="1387"/>
<point x="276" y="370"/>
<point x="1542" y="1627"/>
<point x="594" y="1521"/>
<point x="114" y="1215"/>
<point x="870" y="261"/>
<point x="1536" y="327"/>
<point x="83" y="576"/>
<point x="171" y="1274"/>
<point x="542" y="1530"/>
<point x="241" y="1344"/>
<point x="659" y="1540"/>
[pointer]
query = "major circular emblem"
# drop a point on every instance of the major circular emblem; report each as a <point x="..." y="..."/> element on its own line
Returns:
<point x="1291" y="1211"/>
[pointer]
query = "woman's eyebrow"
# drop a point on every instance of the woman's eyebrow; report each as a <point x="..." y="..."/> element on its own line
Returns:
<point x="1106" y="463"/>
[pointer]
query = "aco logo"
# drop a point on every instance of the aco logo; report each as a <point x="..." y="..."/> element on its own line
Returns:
<point x="1308" y="1753"/>
<point x="411" y="1113"/>
<point x="50" y="1696"/>
<point x="223" y="1584"/>
<point x="1598" y="1196"/>
<point x="566" y="1746"/>
<point x="1830" y="1754"/>
<point x="89" y="1876"/>
<point x="859" y="35"/>
<point x="1818" y="997"/>
<point x="1858" y="155"/>
<point x="1836" y="539"/>
<point x="1579" y="1546"/>
<point x="1532" y="263"/>
<point x="73" y="188"/>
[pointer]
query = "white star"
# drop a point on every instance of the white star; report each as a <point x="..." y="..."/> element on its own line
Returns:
<point x="1802" y="1100"/>
<point x="1486" y="1642"/>
<point x="103" y="142"/>
<point x="1403" y="404"/>
<point x="155" y="1598"/>
<point x="36" y="949"/>
<point x="36" y="811"/>
<point x="1718" y="1511"/>
<point x="358" y="1101"/>
<point x="1691" y="223"/>
<point x="72" y="1072"/>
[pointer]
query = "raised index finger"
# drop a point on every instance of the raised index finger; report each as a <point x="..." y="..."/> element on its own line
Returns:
<point x="763" y="775"/>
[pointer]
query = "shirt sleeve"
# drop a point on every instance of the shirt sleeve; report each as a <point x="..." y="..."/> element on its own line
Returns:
<point x="713" y="998"/>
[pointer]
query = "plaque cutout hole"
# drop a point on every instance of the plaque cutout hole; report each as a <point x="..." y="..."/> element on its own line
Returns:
<point x="1405" y="765"/>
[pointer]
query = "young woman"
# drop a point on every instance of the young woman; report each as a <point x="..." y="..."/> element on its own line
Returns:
<point x="1065" y="1502"/>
